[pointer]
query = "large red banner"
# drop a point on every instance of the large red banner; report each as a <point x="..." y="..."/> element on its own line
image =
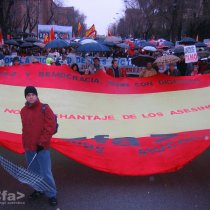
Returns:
<point x="129" y="126"/>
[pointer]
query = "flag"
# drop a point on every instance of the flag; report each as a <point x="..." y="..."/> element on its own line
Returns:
<point x="1" y="38"/>
<point x="46" y="40"/>
<point x="109" y="33"/>
<point x="24" y="175"/>
<point x="52" y="34"/>
<point x="91" y="32"/>
<point x="141" y="126"/>
<point x="79" y="28"/>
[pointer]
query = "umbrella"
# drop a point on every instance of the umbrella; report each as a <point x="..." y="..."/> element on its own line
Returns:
<point x="203" y="54"/>
<point x="200" y="44"/>
<point x="142" y="60"/>
<point x="179" y="50"/>
<point x="11" y="42"/>
<point x="167" y="43"/>
<point x="26" y="45"/>
<point x="166" y="59"/>
<point x="123" y="45"/>
<point x="109" y="44"/>
<point x="162" y="47"/>
<point x="114" y="39"/>
<point x="93" y="47"/>
<point x="187" y="41"/>
<point x="57" y="43"/>
<point x="145" y="44"/>
<point x="74" y="44"/>
<point x="25" y="175"/>
<point x="150" y="48"/>
<point x="31" y="39"/>
<point x="85" y="41"/>
<point x="19" y="41"/>
<point x="161" y="40"/>
<point x="39" y="44"/>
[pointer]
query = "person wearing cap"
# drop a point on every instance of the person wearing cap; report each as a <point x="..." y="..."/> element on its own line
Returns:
<point x="37" y="130"/>
<point x="96" y="66"/>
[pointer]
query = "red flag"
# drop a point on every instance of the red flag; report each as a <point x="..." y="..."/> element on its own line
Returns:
<point x="91" y="32"/>
<point x="1" y="38"/>
<point x="52" y="34"/>
<point x="79" y="28"/>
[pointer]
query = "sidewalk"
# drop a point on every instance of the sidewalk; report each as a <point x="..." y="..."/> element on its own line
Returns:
<point x="82" y="188"/>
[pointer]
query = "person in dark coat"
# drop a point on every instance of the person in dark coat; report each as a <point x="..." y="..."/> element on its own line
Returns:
<point x="115" y="71"/>
<point x="172" y="71"/>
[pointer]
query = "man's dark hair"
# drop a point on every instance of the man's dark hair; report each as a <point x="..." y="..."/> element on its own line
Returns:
<point x="96" y="58"/>
<point x="114" y="60"/>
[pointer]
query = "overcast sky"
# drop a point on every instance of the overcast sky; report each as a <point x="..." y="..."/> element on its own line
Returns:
<point x="99" y="12"/>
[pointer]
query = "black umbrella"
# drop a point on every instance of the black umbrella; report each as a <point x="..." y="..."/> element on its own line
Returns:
<point x="200" y="44"/>
<point x="179" y="50"/>
<point x="142" y="60"/>
<point x="26" y="45"/>
<point x="19" y="41"/>
<point x="11" y="42"/>
<point x="167" y="43"/>
<point x="31" y="39"/>
<point x="187" y="41"/>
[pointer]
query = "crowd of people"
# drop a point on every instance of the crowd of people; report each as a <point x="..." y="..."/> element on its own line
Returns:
<point x="59" y="57"/>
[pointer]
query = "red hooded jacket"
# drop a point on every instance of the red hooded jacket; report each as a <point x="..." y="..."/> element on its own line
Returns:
<point x="37" y="126"/>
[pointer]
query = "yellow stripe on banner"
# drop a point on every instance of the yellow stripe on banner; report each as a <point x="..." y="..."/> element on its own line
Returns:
<point x="84" y="114"/>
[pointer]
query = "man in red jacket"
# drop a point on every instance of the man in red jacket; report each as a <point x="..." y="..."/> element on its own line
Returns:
<point x="115" y="71"/>
<point x="38" y="126"/>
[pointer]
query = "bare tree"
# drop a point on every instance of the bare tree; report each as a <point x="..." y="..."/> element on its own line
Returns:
<point x="5" y="15"/>
<point x="167" y="18"/>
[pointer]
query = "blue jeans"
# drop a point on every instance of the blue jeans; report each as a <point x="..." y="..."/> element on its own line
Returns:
<point x="42" y="165"/>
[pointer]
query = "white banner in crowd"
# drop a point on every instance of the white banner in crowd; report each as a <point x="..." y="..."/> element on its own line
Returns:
<point x="190" y="53"/>
<point x="83" y="62"/>
<point x="61" y="32"/>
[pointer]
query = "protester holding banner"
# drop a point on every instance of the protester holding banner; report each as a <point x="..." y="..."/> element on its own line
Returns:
<point x="75" y="67"/>
<point x="172" y="71"/>
<point x="96" y="66"/>
<point x="16" y="61"/>
<point x="115" y="71"/>
<point x="181" y="65"/>
<point x="38" y="126"/>
<point x="148" y="71"/>
<point x="195" y="70"/>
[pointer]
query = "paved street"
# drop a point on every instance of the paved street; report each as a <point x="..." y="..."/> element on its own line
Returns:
<point x="82" y="188"/>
